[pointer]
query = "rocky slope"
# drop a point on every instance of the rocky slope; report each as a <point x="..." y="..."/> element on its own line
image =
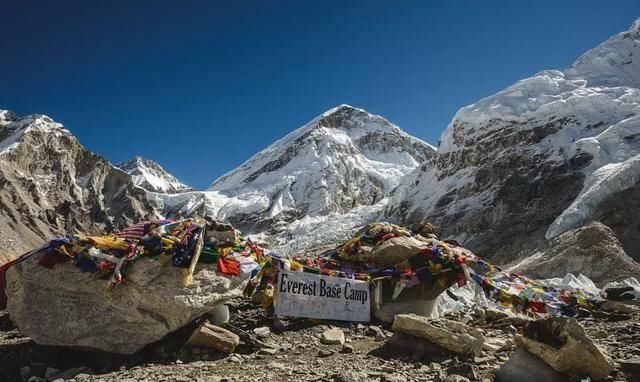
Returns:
<point x="151" y="176"/>
<point x="544" y="156"/>
<point x="50" y="184"/>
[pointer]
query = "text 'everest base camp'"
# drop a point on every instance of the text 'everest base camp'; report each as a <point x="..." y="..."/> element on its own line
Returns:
<point x="348" y="250"/>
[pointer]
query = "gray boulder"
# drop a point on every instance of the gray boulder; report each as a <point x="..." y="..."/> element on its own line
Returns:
<point x="562" y="344"/>
<point x="63" y="306"/>
<point x="451" y="335"/>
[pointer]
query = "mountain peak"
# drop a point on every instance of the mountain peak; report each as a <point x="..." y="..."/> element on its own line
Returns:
<point x="615" y="62"/>
<point x="151" y="176"/>
<point x="634" y="29"/>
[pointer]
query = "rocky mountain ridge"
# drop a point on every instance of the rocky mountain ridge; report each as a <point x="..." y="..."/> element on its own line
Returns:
<point x="51" y="185"/>
<point x="334" y="172"/>
<point x="151" y="176"/>
<point x="547" y="155"/>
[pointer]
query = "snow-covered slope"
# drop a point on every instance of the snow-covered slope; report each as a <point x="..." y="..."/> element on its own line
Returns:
<point x="50" y="184"/>
<point x="342" y="161"/>
<point x="536" y="159"/>
<point x="151" y="176"/>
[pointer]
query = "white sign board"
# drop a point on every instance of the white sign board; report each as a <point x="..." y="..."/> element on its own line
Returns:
<point x="300" y="294"/>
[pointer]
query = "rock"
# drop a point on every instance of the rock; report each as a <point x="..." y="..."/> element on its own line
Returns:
<point x="277" y="365"/>
<point x="268" y="351"/>
<point x="525" y="367"/>
<point x="601" y="334"/>
<point x="392" y="378"/>
<point x="219" y="314"/>
<point x="151" y="303"/>
<point x="214" y="337"/>
<point x="347" y="349"/>
<point x="562" y="344"/>
<point x="592" y="250"/>
<point x="332" y="337"/>
<point x="25" y="372"/>
<point x="617" y="306"/>
<point x="324" y="353"/>
<point x="492" y="314"/>
<point x="50" y="372"/>
<point x="377" y="333"/>
<point x="69" y="373"/>
<point x="396" y="250"/>
<point x="262" y="331"/>
<point x="494" y="344"/>
<point x="451" y="335"/>
<point x="631" y="368"/>
<point x="350" y="376"/>
<point x="623" y="293"/>
<point x="456" y="378"/>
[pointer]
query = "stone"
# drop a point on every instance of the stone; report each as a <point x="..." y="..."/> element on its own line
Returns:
<point x="219" y="314"/>
<point x="562" y="344"/>
<point x="347" y="349"/>
<point x="620" y="307"/>
<point x="262" y="331"/>
<point x="396" y="250"/>
<point x="277" y="365"/>
<point x="451" y="335"/>
<point x="69" y="373"/>
<point x="50" y="372"/>
<point x="214" y="337"/>
<point x="324" y="353"/>
<point x="268" y="351"/>
<point x="151" y="303"/>
<point x="350" y="376"/>
<point x="492" y="314"/>
<point x="332" y="337"/>
<point x="377" y="333"/>
<point x="631" y="368"/>
<point x="525" y="367"/>
<point x="495" y="344"/>
<point x="456" y="378"/>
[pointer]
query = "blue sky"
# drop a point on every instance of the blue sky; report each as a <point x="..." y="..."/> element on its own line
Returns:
<point x="200" y="86"/>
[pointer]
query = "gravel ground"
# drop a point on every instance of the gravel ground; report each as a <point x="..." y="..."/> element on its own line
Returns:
<point x="294" y="352"/>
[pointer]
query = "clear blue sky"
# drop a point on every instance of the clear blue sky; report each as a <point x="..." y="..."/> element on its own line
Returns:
<point x="200" y="86"/>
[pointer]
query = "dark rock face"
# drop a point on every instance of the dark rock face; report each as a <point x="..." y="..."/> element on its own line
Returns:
<point x="621" y="213"/>
<point x="50" y="184"/>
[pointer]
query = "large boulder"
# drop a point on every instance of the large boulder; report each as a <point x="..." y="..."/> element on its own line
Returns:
<point x="63" y="306"/>
<point x="592" y="250"/>
<point x="396" y="250"/>
<point x="451" y="335"/>
<point x="562" y="344"/>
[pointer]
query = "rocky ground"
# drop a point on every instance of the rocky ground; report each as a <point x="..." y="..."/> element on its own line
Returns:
<point x="296" y="350"/>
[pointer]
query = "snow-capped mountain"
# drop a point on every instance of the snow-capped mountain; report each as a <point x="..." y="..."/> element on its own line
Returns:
<point x="50" y="184"/>
<point x="546" y="155"/>
<point x="344" y="160"/>
<point x="151" y="176"/>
